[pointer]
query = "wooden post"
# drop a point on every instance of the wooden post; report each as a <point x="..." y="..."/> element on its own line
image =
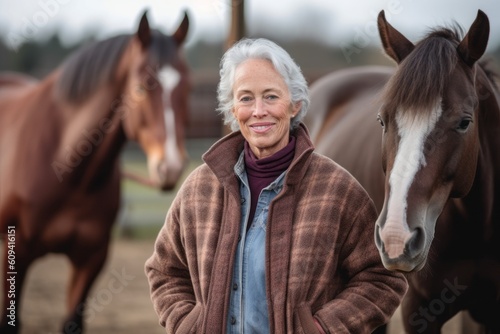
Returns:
<point x="236" y="32"/>
<point x="237" y="27"/>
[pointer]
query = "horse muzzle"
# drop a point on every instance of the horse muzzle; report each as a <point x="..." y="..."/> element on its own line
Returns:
<point x="165" y="173"/>
<point x="169" y="174"/>
<point x="401" y="249"/>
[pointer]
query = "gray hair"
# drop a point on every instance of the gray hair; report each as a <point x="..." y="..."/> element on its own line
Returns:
<point x="260" y="49"/>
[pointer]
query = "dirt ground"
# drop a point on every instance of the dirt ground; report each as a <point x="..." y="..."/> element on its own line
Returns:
<point x="120" y="299"/>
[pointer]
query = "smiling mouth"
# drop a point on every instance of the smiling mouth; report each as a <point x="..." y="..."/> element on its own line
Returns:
<point x="261" y="127"/>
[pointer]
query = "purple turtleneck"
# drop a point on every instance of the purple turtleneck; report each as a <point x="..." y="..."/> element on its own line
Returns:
<point x="261" y="172"/>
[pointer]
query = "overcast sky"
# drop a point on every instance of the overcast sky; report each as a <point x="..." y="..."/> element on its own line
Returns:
<point x="334" y="22"/>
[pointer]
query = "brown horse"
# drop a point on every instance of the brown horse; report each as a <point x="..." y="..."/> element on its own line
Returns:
<point x="13" y="79"/>
<point x="60" y="140"/>
<point x="439" y="200"/>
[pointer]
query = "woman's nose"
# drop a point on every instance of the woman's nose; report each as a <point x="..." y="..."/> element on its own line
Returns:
<point x="259" y="108"/>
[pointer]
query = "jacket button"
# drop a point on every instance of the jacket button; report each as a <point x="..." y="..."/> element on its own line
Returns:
<point x="239" y="238"/>
<point x="233" y="320"/>
<point x="243" y="201"/>
<point x="235" y="286"/>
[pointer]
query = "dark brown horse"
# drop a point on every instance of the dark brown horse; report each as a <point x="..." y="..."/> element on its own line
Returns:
<point x="439" y="200"/>
<point x="60" y="140"/>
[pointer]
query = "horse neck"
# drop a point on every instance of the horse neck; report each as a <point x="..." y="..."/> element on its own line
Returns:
<point x="93" y="135"/>
<point x="485" y="193"/>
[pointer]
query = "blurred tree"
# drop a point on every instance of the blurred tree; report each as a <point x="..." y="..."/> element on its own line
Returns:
<point x="28" y="57"/>
<point x="36" y="58"/>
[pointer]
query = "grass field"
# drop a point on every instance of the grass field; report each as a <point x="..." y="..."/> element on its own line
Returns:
<point x="143" y="209"/>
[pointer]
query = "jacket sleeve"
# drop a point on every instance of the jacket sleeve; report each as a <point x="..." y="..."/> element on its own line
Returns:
<point x="372" y="293"/>
<point x="168" y="275"/>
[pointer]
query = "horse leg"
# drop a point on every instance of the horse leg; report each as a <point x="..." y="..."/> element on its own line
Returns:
<point x="16" y="260"/>
<point x="421" y="315"/>
<point x="84" y="272"/>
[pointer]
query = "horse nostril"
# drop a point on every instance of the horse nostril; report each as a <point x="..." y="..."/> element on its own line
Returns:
<point x="167" y="175"/>
<point x="162" y="170"/>
<point x="416" y="243"/>
<point x="378" y="240"/>
<point x="167" y="186"/>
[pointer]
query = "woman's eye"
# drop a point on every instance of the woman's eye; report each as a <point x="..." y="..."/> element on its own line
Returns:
<point x="245" y="99"/>
<point x="271" y="97"/>
<point x="140" y="88"/>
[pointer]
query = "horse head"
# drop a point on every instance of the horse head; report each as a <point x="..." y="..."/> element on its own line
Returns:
<point x="430" y="141"/>
<point x="155" y="99"/>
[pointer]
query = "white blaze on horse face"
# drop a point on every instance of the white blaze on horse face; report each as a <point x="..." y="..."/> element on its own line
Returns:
<point x="169" y="78"/>
<point x="173" y="161"/>
<point x="413" y="130"/>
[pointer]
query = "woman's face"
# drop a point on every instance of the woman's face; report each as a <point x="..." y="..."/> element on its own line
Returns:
<point x="262" y="106"/>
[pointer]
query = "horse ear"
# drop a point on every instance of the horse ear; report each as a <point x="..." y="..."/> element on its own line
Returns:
<point x="472" y="47"/>
<point x="395" y="44"/>
<point x="182" y="30"/>
<point x="144" y="32"/>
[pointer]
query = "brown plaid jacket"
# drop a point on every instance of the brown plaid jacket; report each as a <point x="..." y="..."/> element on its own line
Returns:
<point x="321" y="259"/>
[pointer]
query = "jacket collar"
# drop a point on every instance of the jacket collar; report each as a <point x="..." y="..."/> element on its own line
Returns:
<point x="224" y="154"/>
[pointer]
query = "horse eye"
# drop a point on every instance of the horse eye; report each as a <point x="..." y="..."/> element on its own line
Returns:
<point x="151" y="82"/>
<point x="379" y="119"/>
<point x="464" y="124"/>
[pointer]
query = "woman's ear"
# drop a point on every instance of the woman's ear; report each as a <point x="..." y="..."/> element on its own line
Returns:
<point x="296" y="108"/>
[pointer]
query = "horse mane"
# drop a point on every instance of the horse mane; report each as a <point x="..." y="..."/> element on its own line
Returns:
<point x="422" y="75"/>
<point x="163" y="49"/>
<point x="491" y="72"/>
<point x="85" y="70"/>
<point x="93" y="65"/>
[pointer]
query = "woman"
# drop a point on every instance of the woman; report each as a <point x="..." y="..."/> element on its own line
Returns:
<point x="268" y="236"/>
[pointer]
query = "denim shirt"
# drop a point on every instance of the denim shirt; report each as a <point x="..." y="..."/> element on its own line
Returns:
<point x="248" y="312"/>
